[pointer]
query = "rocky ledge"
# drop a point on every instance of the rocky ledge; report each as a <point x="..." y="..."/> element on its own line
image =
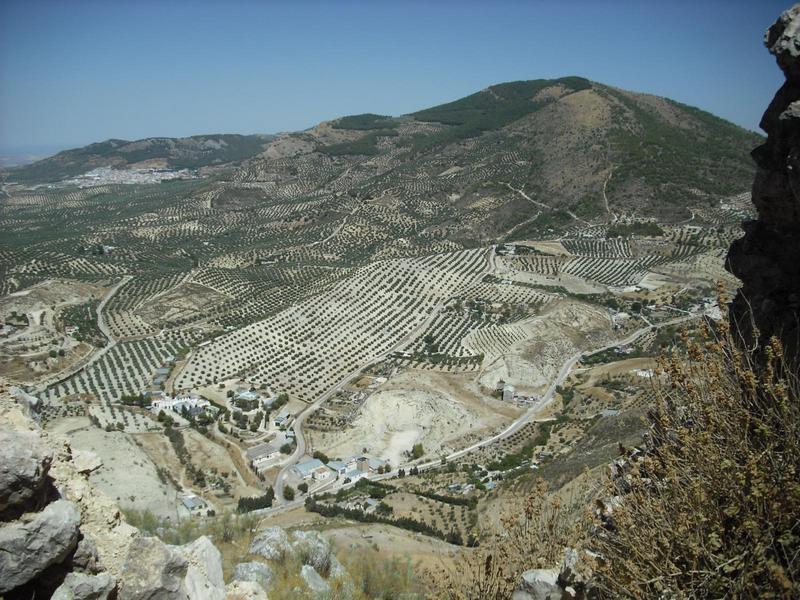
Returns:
<point x="61" y="538"/>
<point x="767" y="258"/>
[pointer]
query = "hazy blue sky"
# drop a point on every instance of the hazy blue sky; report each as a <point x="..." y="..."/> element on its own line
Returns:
<point x="73" y="72"/>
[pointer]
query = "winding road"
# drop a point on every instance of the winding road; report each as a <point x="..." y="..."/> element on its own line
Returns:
<point x="106" y="331"/>
<point x="297" y="426"/>
<point x="527" y="417"/>
<point x="547" y="206"/>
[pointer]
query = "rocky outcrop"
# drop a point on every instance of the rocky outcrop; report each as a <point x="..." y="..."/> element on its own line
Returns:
<point x="153" y="570"/>
<point x="80" y="586"/>
<point x="569" y="582"/>
<point x="539" y="584"/>
<point x="204" y="569"/>
<point x="253" y="571"/>
<point x="314" y="580"/>
<point x="244" y="590"/>
<point x="23" y="472"/>
<point x="767" y="258"/>
<point x="272" y="543"/>
<point x="319" y="566"/>
<point x="313" y="550"/>
<point x="61" y="538"/>
<point x="37" y="541"/>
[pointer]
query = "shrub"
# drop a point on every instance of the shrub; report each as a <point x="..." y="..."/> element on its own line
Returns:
<point x="288" y="493"/>
<point x="533" y="536"/>
<point x="417" y="451"/>
<point x="712" y="510"/>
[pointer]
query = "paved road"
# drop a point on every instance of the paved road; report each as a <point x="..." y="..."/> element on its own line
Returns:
<point x="101" y="322"/>
<point x="548" y="396"/>
<point x="297" y="426"/>
<point x="519" y="423"/>
<point x="104" y="328"/>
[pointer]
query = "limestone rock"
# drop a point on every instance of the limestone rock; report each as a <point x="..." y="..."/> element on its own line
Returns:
<point x="36" y="542"/>
<point x="253" y="571"/>
<point x="271" y="543"/>
<point x="783" y="41"/>
<point x="538" y="584"/>
<point x="313" y="549"/>
<point x="204" y="572"/>
<point x="79" y="586"/>
<point x="23" y="470"/>
<point x="766" y="259"/>
<point x="85" y="558"/>
<point x="337" y="569"/>
<point x="314" y="580"/>
<point x="152" y="570"/>
<point x="244" y="590"/>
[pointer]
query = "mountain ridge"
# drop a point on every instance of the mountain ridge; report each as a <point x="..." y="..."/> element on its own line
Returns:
<point x="574" y="144"/>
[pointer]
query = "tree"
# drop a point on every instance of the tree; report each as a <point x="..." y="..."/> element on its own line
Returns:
<point x="286" y="448"/>
<point x="288" y="493"/>
<point x="52" y="353"/>
<point x="321" y="456"/>
<point x="417" y="451"/>
<point x="303" y="487"/>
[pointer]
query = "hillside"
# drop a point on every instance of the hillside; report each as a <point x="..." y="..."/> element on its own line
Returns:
<point x="189" y="152"/>
<point x="570" y="144"/>
<point x="434" y="307"/>
<point x="572" y="150"/>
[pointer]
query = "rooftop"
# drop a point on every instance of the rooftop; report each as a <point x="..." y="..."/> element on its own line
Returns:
<point x="260" y="451"/>
<point x="308" y="466"/>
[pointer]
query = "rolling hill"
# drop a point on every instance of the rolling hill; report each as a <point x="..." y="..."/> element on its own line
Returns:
<point x="521" y="158"/>
<point x="189" y="152"/>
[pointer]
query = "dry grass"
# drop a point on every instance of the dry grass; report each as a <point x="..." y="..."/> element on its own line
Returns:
<point x="713" y="510"/>
<point x="710" y="510"/>
<point x="370" y="576"/>
<point x="534" y="535"/>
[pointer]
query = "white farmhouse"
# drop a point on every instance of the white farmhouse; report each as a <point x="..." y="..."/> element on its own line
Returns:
<point x="261" y="455"/>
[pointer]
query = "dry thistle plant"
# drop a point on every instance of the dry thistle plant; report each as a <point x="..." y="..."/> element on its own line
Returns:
<point x="712" y="510"/>
<point x="534" y="535"/>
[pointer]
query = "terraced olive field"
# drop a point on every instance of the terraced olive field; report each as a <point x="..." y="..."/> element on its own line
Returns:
<point x="440" y="255"/>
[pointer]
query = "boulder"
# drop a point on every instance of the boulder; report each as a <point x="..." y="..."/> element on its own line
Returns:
<point x="24" y="462"/>
<point x="314" y="580"/>
<point x="85" y="558"/>
<point x="271" y="543"/>
<point x="152" y="571"/>
<point x="539" y="584"/>
<point x="337" y="569"/>
<point x="79" y="586"/>
<point x="313" y="549"/>
<point x="253" y="571"/>
<point x="36" y="542"/>
<point x="204" y="571"/>
<point x="244" y="590"/>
